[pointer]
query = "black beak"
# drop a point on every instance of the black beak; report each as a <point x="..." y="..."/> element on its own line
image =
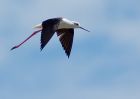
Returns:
<point x="84" y="29"/>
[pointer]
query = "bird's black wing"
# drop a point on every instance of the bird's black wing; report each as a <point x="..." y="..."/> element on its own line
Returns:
<point x="66" y="39"/>
<point x="49" y="28"/>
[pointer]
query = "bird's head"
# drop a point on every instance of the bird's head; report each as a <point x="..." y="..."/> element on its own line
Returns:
<point x="38" y="26"/>
<point x="77" y="25"/>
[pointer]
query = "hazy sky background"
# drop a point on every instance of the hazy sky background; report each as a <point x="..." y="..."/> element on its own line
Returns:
<point x="104" y="64"/>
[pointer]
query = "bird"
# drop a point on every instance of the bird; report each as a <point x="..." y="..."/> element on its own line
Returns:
<point x="63" y="27"/>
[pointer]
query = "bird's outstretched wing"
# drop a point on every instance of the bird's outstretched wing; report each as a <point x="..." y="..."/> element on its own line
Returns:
<point x="49" y="28"/>
<point x="66" y="39"/>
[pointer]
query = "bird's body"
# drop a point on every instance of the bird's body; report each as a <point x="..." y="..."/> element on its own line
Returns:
<point x="64" y="29"/>
<point x="63" y="23"/>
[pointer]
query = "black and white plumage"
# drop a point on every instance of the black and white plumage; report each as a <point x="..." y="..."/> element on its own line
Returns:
<point x="64" y="29"/>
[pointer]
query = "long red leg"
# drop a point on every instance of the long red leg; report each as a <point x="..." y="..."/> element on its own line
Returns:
<point x="34" y="33"/>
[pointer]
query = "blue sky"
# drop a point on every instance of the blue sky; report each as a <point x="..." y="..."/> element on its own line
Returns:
<point x="104" y="64"/>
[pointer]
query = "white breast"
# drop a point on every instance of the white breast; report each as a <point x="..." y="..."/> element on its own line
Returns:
<point x="65" y="23"/>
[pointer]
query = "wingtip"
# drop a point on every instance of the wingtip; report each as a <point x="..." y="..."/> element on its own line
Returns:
<point x="68" y="55"/>
<point x="41" y="49"/>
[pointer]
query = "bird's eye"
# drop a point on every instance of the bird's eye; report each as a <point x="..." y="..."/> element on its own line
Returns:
<point x="76" y="23"/>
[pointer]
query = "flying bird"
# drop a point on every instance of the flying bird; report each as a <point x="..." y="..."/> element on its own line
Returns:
<point x="64" y="29"/>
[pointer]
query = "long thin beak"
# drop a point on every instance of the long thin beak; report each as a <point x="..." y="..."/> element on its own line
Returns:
<point x="84" y="29"/>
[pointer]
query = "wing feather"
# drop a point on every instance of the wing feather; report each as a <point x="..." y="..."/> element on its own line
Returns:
<point x="66" y="39"/>
<point x="49" y="28"/>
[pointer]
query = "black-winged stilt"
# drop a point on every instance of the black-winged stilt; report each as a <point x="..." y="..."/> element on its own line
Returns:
<point x="64" y="29"/>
